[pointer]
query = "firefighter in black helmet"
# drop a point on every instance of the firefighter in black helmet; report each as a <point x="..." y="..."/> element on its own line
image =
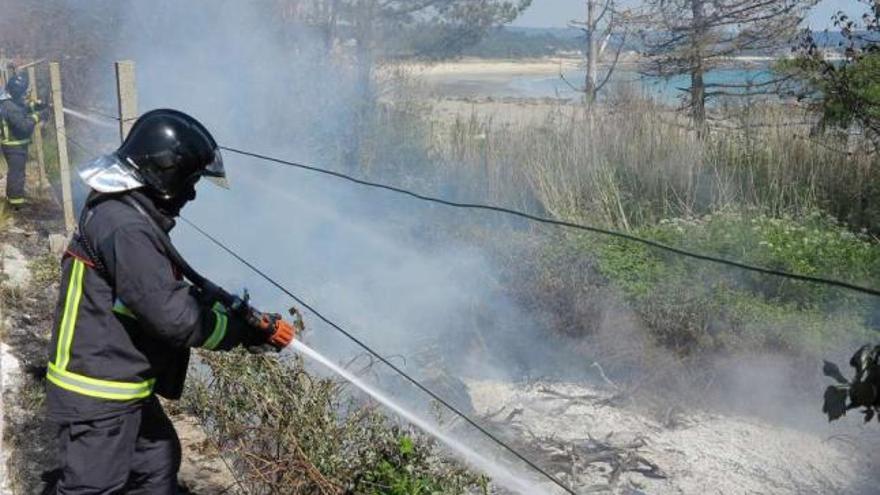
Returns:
<point x="126" y="319"/>
<point x="18" y="118"/>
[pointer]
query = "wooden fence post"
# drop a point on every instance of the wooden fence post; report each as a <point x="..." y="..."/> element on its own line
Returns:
<point x="38" y="133"/>
<point x="61" y="135"/>
<point x="126" y="92"/>
<point x="3" y="70"/>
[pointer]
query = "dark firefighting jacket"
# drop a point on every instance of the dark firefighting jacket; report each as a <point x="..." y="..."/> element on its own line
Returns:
<point x="17" y="122"/>
<point x="125" y="321"/>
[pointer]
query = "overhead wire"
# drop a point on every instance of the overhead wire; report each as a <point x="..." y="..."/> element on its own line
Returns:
<point x="360" y="343"/>
<point x="550" y="221"/>
<point x="485" y="207"/>
<point x="458" y="412"/>
<point x="563" y="223"/>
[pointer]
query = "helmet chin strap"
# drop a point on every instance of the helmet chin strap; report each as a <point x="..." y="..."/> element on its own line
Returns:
<point x="172" y="206"/>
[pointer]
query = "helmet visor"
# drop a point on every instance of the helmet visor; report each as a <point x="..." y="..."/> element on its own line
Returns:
<point x="109" y="174"/>
<point x="216" y="172"/>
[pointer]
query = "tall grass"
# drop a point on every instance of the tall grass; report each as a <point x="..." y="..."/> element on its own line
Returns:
<point x="639" y="163"/>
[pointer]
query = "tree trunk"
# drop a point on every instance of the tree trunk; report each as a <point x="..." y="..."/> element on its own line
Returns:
<point x="364" y="82"/>
<point x="592" y="49"/>
<point x="698" y="85"/>
<point x="332" y="20"/>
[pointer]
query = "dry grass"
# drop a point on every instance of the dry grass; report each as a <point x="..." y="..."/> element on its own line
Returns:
<point x="639" y="163"/>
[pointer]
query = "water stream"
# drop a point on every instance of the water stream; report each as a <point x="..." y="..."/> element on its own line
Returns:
<point x="499" y="474"/>
<point x="101" y="122"/>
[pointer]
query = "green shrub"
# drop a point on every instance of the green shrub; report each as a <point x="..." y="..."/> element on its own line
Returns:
<point x="691" y="305"/>
<point x="287" y="431"/>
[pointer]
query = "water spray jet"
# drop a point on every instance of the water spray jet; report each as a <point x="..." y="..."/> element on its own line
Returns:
<point x="497" y="472"/>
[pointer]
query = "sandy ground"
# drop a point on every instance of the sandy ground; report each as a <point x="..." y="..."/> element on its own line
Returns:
<point x="469" y="66"/>
<point x="485" y="78"/>
<point x="487" y="89"/>
<point x="10" y="374"/>
<point x="495" y="67"/>
<point x="702" y="454"/>
<point x="13" y="275"/>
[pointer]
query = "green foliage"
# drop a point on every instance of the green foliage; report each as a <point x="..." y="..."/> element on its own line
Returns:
<point x="435" y="29"/>
<point x="287" y="431"/>
<point x="509" y="43"/>
<point x="690" y="305"/>
<point x="845" y="91"/>
<point x="403" y="472"/>
<point x="845" y="94"/>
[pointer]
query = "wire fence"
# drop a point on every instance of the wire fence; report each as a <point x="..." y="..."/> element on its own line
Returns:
<point x="110" y="121"/>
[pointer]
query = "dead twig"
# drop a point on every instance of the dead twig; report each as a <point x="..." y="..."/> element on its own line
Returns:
<point x="604" y="376"/>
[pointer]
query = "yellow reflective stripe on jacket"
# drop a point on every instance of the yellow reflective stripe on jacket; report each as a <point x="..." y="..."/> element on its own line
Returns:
<point x="57" y="372"/>
<point x="101" y="389"/>
<point x="71" y="308"/>
<point x="6" y="138"/>
<point x="221" y="322"/>
<point x="17" y="201"/>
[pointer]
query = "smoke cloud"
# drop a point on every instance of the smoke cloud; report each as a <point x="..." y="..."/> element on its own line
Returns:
<point x="380" y="265"/>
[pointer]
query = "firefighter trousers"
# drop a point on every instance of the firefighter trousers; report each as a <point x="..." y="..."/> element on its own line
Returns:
<point x="135" y="453"/>
<point x="16" y="159"/>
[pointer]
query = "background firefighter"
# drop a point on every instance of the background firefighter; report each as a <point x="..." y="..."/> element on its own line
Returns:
<point x="126" y="319"/>
<point x="18" y="118"/>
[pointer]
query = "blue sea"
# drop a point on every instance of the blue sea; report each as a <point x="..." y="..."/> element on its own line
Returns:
<point x="544" y="86"/>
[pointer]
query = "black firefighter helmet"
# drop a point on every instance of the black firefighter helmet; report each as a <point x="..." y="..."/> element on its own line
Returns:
<point x="165" y="154"/>
<point x="17" y="85"/>
<point x="171" y="151"/>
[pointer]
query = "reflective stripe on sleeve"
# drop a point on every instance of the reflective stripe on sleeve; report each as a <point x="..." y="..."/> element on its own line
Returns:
<point x="221" y="321"/>
<point x="101" y="389"/>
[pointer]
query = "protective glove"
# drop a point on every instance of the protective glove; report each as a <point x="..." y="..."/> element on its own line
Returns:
<point x="42" y="116"/>
<point x="38" y="106"/>
<point x="236" y="331"/>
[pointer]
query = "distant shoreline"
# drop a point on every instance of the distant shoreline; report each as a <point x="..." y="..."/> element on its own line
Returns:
<point x="497" y="68"/>
<point x="559" y="78"/>
<point x="506" y="67"/>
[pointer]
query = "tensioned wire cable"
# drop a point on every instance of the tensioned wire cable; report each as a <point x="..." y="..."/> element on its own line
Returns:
<point x="562" y="223"/>
<point x="478" y="206"/>
<point x="370" y="350"/>
<point x="381" y="358"/>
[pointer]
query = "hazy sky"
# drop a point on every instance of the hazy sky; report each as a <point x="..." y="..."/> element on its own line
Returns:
<point x="556" y="13"/>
